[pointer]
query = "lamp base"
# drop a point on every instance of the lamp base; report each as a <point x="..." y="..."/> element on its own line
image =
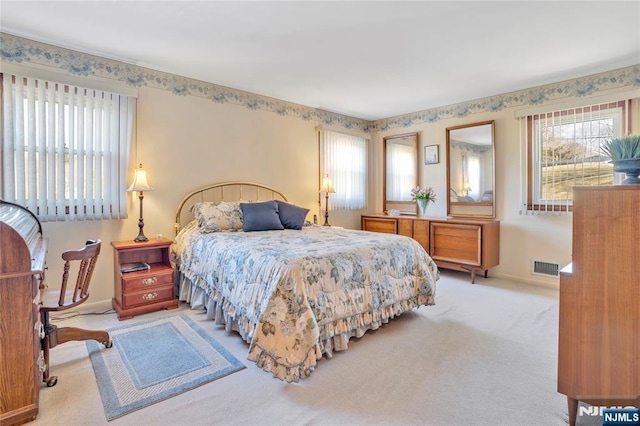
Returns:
<point x="326" y="211"/>
<point x="141" y="238"/>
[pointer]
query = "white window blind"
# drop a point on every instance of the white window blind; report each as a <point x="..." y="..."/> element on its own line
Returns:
<point x="344" y="159"/>
<point x="65" y="149"/>
<point x="401" y="169"/>
<point x="564" y="149"/>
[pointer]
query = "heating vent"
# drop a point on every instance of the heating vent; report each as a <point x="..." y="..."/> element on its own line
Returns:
<point x="549" y="269"/>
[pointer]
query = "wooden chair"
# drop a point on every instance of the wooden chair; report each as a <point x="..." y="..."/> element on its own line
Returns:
<point x="63" y="299"/>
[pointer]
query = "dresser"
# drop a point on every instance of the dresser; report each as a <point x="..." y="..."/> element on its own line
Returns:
<point x="22" y="265"/>
<point x="599" y="322"/>
<point x="147" y="290"/>
<point x="460" y="244"/>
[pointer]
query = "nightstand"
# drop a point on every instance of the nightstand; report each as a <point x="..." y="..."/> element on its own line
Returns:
<point x="143" y="291"/>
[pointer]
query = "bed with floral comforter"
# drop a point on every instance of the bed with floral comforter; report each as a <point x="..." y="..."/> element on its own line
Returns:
<point x="295" y="295"/>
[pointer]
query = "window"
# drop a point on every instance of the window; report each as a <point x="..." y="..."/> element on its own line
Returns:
<point x="343" y="158"/>
<point x="65" y="149"/>
<point x="564" y="150"/>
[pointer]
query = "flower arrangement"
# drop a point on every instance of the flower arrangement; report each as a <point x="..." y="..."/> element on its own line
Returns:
<point x="426" y="193"/>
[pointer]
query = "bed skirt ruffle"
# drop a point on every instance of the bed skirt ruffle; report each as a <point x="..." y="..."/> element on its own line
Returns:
<point x="334" y="335"/>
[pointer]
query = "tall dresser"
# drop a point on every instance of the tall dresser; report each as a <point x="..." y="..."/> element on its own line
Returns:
<point x="22" y="262"/>
<point x="599" y="334"/>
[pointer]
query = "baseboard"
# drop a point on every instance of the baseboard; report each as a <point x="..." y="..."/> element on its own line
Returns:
<point x="94" y="307"/>
<point x="541" y="283"/>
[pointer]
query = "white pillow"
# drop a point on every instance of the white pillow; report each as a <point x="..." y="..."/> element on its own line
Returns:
<point x="218" y="216"/>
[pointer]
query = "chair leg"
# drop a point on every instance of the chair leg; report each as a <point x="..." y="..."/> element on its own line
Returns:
<point x="46" y="343"/>
<point x="66" y="334"/>
<point x="50" y="381"/>
<point x="55" y="336"/>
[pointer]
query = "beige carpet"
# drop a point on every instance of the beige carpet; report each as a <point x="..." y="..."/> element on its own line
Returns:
<point x="484" y="355"/>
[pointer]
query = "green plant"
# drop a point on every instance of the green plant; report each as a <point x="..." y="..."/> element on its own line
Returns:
<point x="623" y="148"/>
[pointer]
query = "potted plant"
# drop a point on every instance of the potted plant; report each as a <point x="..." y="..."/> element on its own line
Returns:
<point x="625" y="157"/>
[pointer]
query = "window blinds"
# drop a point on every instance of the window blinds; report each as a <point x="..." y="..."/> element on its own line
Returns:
<point x="563" y="150"/>
<point x="344" y="160"/>
<point x="65" y="149"/>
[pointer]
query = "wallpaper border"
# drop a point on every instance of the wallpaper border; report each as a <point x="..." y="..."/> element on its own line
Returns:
<point x="24" y="51"/>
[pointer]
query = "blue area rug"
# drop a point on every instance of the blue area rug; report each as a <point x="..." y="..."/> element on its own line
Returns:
<point x="155" y="360"/>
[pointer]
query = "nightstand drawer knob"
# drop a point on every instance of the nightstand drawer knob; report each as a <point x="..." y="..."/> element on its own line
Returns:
<point x="149" y="281"/>
<point x="150" y="296"/>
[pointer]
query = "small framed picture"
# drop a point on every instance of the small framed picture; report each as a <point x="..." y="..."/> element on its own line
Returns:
<point x="431" y="154"/>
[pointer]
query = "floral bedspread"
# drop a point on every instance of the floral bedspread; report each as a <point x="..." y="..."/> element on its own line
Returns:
<point x="293" y="292"/>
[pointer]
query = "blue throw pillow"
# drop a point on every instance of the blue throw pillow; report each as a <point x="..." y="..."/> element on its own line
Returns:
<point x="292" y="217"/>
<point x="260" y="216"/>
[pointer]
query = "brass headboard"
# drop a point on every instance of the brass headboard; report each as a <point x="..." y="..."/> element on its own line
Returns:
<point x="224" y="191"/>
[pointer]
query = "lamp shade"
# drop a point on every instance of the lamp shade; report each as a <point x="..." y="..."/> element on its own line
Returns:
<point x="327" y="186"/>
<point x="140" y="182"/>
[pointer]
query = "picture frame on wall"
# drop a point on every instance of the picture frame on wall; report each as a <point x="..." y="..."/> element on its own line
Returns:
<point x="431" y="154"/>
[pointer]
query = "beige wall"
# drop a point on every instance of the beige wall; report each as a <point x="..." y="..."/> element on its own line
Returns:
<point x="185" y="142"/>
<point x="522" y="237"/>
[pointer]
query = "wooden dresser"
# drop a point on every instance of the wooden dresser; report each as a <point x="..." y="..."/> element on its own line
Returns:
<point x="460" y="244"/>
<point x="599" y="330"/>
<point x="22" y="264"/>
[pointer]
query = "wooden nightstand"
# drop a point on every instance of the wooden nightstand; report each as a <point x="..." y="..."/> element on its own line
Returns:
<point x="143" y="291"/>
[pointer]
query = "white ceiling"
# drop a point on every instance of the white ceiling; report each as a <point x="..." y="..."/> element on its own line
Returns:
<point x="366" y="59"/>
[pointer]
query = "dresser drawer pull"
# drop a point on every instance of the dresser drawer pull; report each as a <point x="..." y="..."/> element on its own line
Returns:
<point x="150" y="296"/>
<point x="149" y="281"/>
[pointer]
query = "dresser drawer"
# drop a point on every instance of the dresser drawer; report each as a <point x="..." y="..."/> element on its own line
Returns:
<point x="387" y="226"/>
<point x="456" y="243"/>
<point x="405" y="227"/>
<point x="151" y="295"/>
<point x="146" y="280"/>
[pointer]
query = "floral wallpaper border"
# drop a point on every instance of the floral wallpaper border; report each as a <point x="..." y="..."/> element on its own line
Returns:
<point x="21" y="50"/>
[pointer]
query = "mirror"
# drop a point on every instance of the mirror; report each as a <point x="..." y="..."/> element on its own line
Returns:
<point x="471" y="170"/>
<point x="400" y="172"/>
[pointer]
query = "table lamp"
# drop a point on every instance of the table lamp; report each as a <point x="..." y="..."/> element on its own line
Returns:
<point x="327" y="188"/>
<point x="140" y="185"/>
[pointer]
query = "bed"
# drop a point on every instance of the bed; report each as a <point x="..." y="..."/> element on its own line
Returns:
<point x="294" y="294"/>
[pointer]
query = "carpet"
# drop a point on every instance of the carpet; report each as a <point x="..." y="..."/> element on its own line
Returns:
<point x="154" y="360"/>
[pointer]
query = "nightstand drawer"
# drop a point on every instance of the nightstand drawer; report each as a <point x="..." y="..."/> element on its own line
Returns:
<point x="146" y="280"/>
<point x="151" y="295"/>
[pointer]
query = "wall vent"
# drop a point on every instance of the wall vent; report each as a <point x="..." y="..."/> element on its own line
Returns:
<point x="548" y="269"/>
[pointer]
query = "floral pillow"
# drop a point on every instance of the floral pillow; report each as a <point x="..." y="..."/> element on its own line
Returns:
<point x="219" y="216"/>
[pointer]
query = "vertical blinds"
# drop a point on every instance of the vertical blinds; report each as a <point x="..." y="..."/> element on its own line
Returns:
<point x="564" y="150"/>
<point x="65" y="149"/>
<point x="344" y="159"/>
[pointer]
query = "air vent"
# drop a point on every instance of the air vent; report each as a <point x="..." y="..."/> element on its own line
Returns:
<point x="548" y="269"/>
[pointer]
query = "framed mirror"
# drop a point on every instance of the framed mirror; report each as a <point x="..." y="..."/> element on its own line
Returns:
<point x="471" y="170"/>
<point x="400" y="173"/>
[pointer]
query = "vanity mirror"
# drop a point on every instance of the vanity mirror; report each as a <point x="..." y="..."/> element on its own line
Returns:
<point x="400" y="173"/>
<point x="471" y="170"/>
